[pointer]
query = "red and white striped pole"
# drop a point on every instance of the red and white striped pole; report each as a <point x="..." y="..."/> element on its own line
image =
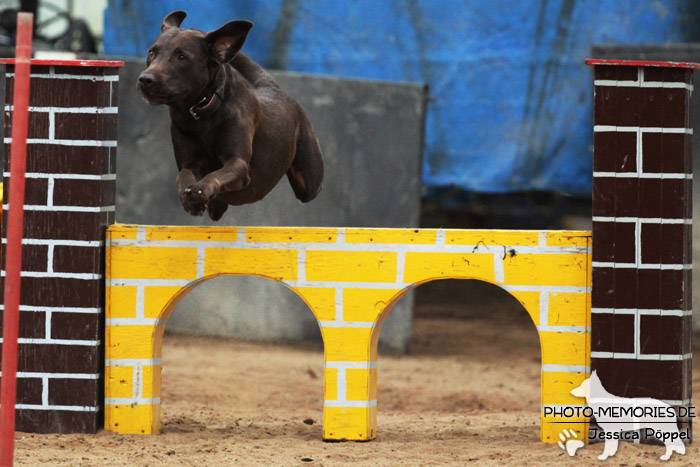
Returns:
<point x="15" y="221"/>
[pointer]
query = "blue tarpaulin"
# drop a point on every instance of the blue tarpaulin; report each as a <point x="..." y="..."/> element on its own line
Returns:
<point x="511" y="98"/>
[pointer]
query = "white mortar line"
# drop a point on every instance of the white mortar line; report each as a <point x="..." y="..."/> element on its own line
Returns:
<point x="201" y="261"/>
<point x="643" y="220"/>
<point x="140" y="302"/>
<point x="58" y="275"/>
<point x="50" y="185"/>
<point x="131" y="322"/>
<point x="41" y="241"/>
<point x="499" y="274"/>
<point x="566" y="368"/>
<point x="55" y="309"/>
<point x="353" y="365"/>
<point x="121" y="362"/>
<point x="33" y="207"/>
<point x="633" y="356"/>
<point x="400" y="266"/>
<point x="38" y="374"/>
<point x="52" y="125"/>
<point x="634" y="129"/>
<point x="60" y="176"/>
<point x="69" y="142"/>
<point x="440" y="238"/>
<point x="339" y="304"/>
<point x="45" y="391"/>
<point x="301" y="265"/>
<point x="68" y="110"/>
<point x="69" y="76"/>
<point x="131" y="401"/>
<point x="27" y="340"/>
<point x="345" y="324"/>
<point x="49" y="258"/>
<point x="342" y="382"/>
<point x="650" y="175"/>
<point x="140" y="234"/>
<point x="644" y="312"/>
<point x="48" y="316"/>
<point x="544" y="308"/>
<point x="57" y="408"/>
<point x="354" y="404"/>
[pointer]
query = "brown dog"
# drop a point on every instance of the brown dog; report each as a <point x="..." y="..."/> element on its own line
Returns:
<point x="235" y="132"/>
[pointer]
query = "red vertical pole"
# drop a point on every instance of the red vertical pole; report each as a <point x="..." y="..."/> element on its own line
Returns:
<point x="15" y="221"/>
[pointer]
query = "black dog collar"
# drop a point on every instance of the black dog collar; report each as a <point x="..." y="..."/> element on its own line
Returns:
<point x="208" y="104"/>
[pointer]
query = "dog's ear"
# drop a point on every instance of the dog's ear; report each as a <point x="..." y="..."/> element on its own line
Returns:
<point x="173" y="20"/>
<point x="225" y="42"/>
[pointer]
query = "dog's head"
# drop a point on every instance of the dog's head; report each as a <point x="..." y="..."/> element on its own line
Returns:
<point x="182" y="63"/>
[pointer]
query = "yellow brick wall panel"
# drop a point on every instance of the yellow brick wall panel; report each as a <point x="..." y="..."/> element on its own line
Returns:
<point x="119" y="381"/>
<point x="351" y="423"/>
<point x="220" y="234"/>
<point x="361" y="384"/>
<point x="122" y="231"/>
<point x="330" y="384"/>
<point x="128" y="262"/>
<point x="290" y="235"/>
<point x="139" y="419"/>
<point x="569" y="238"/>
<point x="492" y="237"/>
<point x="366" y="304"/>
<point x="351" y="266"/>
<point x="569" y="309"/>
<point x="396" y="236"/>
<point x="156" y="297"/>
<point x="120" y="302"/>
<point x="557" y="386"/>
<point x="122" y="341"/>
<point x="547" y="269"/>
<point x="565" y="348"/>
<point x="151" y="381"/>
<point x="274" y="264"/>
<point x="321" y="300"/>
<point x="531" y="302"/>
<point x="347" y="344"/>
<point x="419" y="267"/>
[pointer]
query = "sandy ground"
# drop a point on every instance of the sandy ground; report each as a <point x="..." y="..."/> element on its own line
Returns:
<point x="468" y="393"/>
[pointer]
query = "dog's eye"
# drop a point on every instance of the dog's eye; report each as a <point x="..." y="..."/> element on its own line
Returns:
<point x="151" y="53"/>
<point x="182" y="57"/>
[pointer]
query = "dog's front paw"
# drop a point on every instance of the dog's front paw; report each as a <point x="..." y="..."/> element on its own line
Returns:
<point x="195" y="209"/>
<point x="194" y="194"/>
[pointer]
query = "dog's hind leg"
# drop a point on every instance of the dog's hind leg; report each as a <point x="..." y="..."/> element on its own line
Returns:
<point x="306" y="172"/>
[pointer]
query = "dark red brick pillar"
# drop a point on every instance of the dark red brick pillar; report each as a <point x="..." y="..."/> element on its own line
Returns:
<point x="642" y="253"/>
<point x="71" y="167"/>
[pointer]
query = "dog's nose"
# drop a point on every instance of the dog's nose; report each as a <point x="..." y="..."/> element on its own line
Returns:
<point x="146" y="79"/>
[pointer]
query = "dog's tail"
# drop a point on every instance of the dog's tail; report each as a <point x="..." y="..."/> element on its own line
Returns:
<point x="306" y="172"/>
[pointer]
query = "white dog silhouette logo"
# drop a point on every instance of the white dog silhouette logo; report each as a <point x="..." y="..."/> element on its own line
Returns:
<point x="617" y="415"/>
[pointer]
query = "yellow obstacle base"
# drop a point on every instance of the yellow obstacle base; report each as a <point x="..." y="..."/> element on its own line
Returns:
<point x="350" y="278"/>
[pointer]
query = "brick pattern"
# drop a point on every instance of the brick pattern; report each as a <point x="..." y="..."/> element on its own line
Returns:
<point x="70" y="196"/>
<point x="642" y="231"/>
<point x="349" y="278"/>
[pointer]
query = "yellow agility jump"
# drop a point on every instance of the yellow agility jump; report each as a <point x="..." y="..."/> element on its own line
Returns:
<point x="350" y="278"/>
